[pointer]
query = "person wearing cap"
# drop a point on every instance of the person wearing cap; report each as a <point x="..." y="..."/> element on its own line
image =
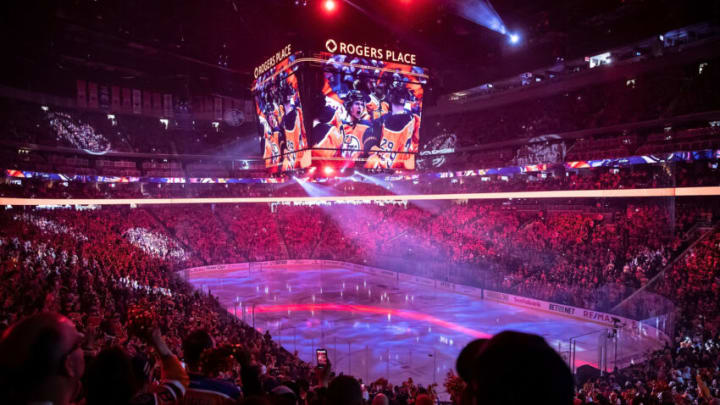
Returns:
<point x="41" y="361"/>
<point x="514" y="368"/>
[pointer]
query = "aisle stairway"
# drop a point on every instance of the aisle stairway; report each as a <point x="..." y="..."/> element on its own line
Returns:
<point x="319" y="239"/>
<point x="229" y="234"/>
<point x="282" y="237"/>
<point x="706" y="232"/>
<point x="172" y="234"/>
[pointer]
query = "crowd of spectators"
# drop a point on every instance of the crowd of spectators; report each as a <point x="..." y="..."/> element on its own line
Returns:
<point x="587" y="256"/>
<point x="110" y="270"/>
<point x="683" y="372"/>
<point x="86" y="266"/>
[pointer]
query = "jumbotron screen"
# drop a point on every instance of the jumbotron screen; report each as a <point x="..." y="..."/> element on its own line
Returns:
<point x="280" y="115"/>
<point x="361" y="113"/>
<point x="366" y="113"/>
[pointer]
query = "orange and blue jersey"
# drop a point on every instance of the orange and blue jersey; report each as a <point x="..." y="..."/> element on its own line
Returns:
<point x="329" y="141"/>
<point x="355" y="138"/>
<point x="399" y="137"/>
<point x="295" y="141"/>
<point x="271" y="153"/>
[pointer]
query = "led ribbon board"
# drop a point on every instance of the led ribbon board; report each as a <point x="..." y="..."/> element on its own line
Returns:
<point x="622" y="193"/>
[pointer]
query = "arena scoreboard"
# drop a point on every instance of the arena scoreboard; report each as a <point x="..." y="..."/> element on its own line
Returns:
<point x="345" y="106"/>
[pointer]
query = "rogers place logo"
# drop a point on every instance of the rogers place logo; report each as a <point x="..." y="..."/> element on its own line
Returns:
<point x="365" y="51"/>
<point x="331" y="45"/>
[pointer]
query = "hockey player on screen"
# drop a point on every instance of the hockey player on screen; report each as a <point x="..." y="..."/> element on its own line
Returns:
<point x="398" y="132"/>
<point x="357" y="130"/>
<point x="326" y="136"/>
<point x="377" y="106"/>
<point x="293" y="128"/>
<point x="332" y="82"/>
<point x="273" y="138"/>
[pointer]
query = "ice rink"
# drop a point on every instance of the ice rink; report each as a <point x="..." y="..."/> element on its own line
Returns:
<point x="373" y="326"/>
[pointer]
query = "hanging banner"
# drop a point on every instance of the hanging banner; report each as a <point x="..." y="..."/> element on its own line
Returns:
<point x="127" y="104"/>
<point x="136" y="101"/>
<point x="157" y="107"/>
<point x="209" y="104"/>
<point x="104" y="97"/>
<point x="82" y="93"/>
<point x="167" y="105"/>
<point x="115" y="99"/>
<point x="249" y="108"/>
<point x="218" y="108"/>
<point x="92" y="95"/>
<point x="238" y="104"/>
<point x="227" y="108"/>
<point x="197" y="104"/>
<point x="147" y="102"/>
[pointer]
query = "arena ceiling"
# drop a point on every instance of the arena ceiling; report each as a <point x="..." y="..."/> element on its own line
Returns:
<point x="216" y="43"/>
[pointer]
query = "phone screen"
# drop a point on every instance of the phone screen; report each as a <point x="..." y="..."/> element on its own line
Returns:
<point x="322" y="359"/>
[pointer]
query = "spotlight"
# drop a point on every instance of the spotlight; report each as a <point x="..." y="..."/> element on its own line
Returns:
<point x="514" y="38"/>
<point x="328" y="170"/>
<point x="329" y="5"/>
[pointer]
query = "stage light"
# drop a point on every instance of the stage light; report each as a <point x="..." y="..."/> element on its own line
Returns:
<point x="328" y="170"/>
<point x="329" y="5"/>
<point x="514" y="38"/>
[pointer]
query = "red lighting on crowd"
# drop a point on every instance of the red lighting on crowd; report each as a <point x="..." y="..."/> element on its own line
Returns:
<point x="329" y="5"/>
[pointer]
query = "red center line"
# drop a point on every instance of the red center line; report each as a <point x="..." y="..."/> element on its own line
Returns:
<point x="400" y="313"/>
